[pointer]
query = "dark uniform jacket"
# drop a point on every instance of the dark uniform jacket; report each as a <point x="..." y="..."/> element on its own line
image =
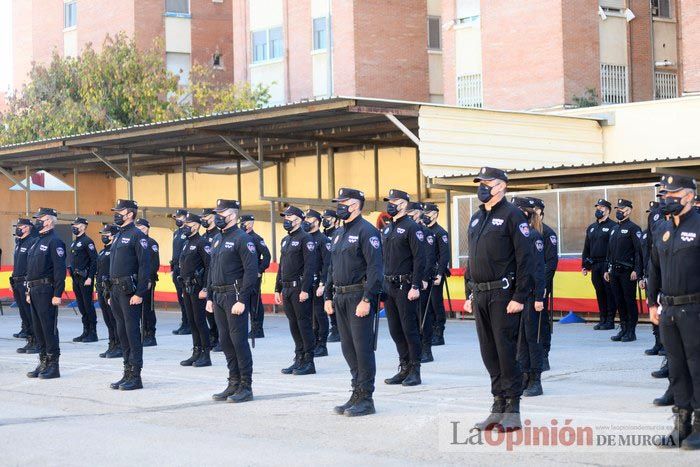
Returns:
<point x="625" y="247"/>
<point x="323" y="245"/>
<point x="298" y="260"/>
<point x="47" y="259"/>
<point x="404" y="251"/>
<point x="22" y="246"/>
<point x="83" y="257"/>
<point x="442" y="246"/>
<point x="263" y="252"/>
<point x="551" y="253"/>
<point x="194" y="259"/>
<point x="233" y="260"/>
<point x="179" y="237"/>
<point x="130" y="256"/>
<point x="595" y="247"/>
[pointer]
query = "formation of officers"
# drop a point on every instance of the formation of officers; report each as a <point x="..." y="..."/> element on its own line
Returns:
<point x="336" y="268"/>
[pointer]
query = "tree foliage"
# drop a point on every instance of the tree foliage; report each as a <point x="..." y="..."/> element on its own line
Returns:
<point x="115" y="87"/>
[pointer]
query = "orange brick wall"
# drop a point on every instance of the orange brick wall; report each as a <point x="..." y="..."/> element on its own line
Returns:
<point x="298" y="30"/>
<point x="690" y="45"/>
<point x="212" y="33"/>
<point x="581" y="47"/>
<point x="641" y="52"/>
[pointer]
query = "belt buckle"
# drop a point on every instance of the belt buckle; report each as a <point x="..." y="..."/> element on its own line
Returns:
<point x="506" y="283"/>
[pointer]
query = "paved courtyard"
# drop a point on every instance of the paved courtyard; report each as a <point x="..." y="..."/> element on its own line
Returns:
<point x="78" y="420"/>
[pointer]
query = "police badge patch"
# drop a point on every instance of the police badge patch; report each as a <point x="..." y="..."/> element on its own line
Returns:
<point x="144" y="243"/>
<point x="524" y="229"/>
<point x="91" y="246"/>
<point x="207" y="249"/>
<point x="553" y="239"/>
<point x="310" y="246"/>
<point x="154" y="247"/>
<point x="539" y="244"/>
<point x="444" y="238"/>
<point x="60" y="252"/>
<point x="430" y="240"/>
<point x="374" y="241"/>
<point x="251" y="247"/>
<point x="328" y="246"/>
<point x="419" y="235"/>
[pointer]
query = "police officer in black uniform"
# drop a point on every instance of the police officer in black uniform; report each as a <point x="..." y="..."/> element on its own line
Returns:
<point x="210" y="231"/>
<point x="294" y="288"/>
<point x="624" y="269"/>
<point x="593" y="259"/>
<point x="312" y="224"/>
<point x="498" y="283"/>
<point x="330" y="224"/>
<point x="148" y="315"/>
<point x="654" y="215"/>
<point x="179" y="238"/>
<point x="352" y="292"/>
<point x="404" y="272"/>
<point x="551" y="259"/>
<point x="194" y="264"/>
<point x="83" y="265"/>
<point x="103" y="287"/>
<point x="415" y="212"/>
<point x="230" y="290"/>
<point x="24" y="237"/>
<point x="674" y="291"/>
<point x="257" y="314"/>
<point x="129" y="275"/>
<point x="434" y="327"/>
<point x="46" y="281"/>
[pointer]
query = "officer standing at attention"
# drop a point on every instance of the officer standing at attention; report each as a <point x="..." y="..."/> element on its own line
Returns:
<point x="674" y="291"/>
<point x="210" y="231"/>
<point x="434" y="327"/>
<point x="624" y="269"/>
<point x="194" y="264"/>
<point x="498" y="283"/>
<point x="415" y="212"/>
<point x="352" y="292"/>
<point x="24" y="237"/>
<point x="46" y="281"/>
<point x="231" y="286"/>
<point x="404" y="272"/>
<point x="129" y="274"/>
<point x="551" y="259"/>
<point x="179" y="238"/>
<point x="330" y="224"/>
<point x="312" y="224"/>
<point x="148" y="305"/>
<point x="257" y="314"/>
<point x="595" y="250"/>
<point x="83" y="265"/>
<point x="294" y="287"/>
<point x="104" y="287"/>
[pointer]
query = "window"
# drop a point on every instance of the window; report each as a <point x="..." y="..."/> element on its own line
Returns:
<point x="70" y="15"/>
<point x="216" y="61"/>
<point x="320" y="33"/>
<point x="666" y="85"/>
<point x="434" y="42"/>
<point x="469" y="91"/>
<point x="613" y="83"/>
<point x="661" y="8"/>
<point x="179" y="64"/>
<point x="467" y="11"/>
<point x="177" y="7"/>
<point x="267" y="44"/>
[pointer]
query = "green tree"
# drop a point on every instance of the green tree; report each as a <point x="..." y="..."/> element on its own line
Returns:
<point x="118" y="86"/>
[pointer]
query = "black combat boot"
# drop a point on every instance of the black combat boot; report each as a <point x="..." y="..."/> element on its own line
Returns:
<point x="497" y="409"/>
<point x="413" y="378"/>
<point x="51" y="371"/>
<point x="681" y="428"/>
<point x="91" y="335"/>
<point x="692" y="442"/>
<point x="401" y="375"/>
<point x="149" y="340"/>
<point x="125" y="376"/>
<point x="196" y="352"/>
<point x="618" y="337"/>
<point x="296" y="365"/>
<point x="116" y="351"/>
<point x="259" y="333"/>
<point x="306" y="367"/>
<point x="40" y="367"/>
<point x="340" y="409"/>
<point x="656" y="348"/>
<point x="426" y="355"/>
<point x="630" y="335"/>
<point x="244" y="393"/>
<point x="661" y="372"/>
<point x="534" y="386"/>
<point x="438" y="336"/>
<point x="204" y="359"/>
<point x="321" y="350"/>
<point x="177" y="331"/>
<point x="82" y="336"/>
<point x="216" y="346"/>
<point x="233" y="382"/>
<point x="666" y="399"/>
<point x="134" y="380"/>
<point x="29" y="347"/>
<point x="511" y="416"/>
<point x="22" y="334"/>
<point x="184" y="330"/>
<point x="110" y="347"/>
<point x="333" y="334"/>
<point x="364" y="405"/>
<point x="545" y="361"/>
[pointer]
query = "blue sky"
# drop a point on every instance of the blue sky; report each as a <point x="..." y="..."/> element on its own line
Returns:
<point x="5" y="45"/>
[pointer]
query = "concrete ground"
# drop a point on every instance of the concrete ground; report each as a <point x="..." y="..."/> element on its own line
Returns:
<point x="77" y="419"/>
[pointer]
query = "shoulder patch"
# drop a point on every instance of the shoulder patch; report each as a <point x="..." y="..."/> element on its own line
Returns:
<point x="154" y="247"/>
<point x="539" y="244"/>
<point x="430" y="239"/>
<point x="144" y="243"/>
<point x="262" y="242"/>
<point x="475" y="221"/>
<point x="251" y="247"/>
<point x="207" y="249"/>
<point x="419" y="235"/>
<point x="444" y="238"/>
<point x="91" y="246"/>
<point x="374" y="241"/>
<point x="639" y="234"/>
<point x="386" y="231"/>
<point x="553" y="239"/>
<point x="656" y="217"/>
<point x="311" y="246"/>
<point x="524" y="229"/>
<point x="328" y="246"/>
<point x="60" y="252"/>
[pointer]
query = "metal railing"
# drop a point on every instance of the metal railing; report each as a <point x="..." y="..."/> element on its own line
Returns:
<point x="469" y="92"/>
<point x="614" y="84"/>
<point x="666" y="85"/>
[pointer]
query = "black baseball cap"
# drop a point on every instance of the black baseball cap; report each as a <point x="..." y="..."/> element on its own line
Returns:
<point x="330" y="213"/>
<point x="79" y="220"/>
<point x="603" y="202"/>
<point x="292" y="211"/>
<point x="653" y="206"/>
<point x="192" y="217"/>
<point x="538" y="202"/>
<point x="430" y="207"/>
<point x="671" y="183"/>
<point x="523" y="202"/>
<point x="491" y="173"/>
<point x="125" y="204"/>
<point x="349" y="193"/>
<point x="45" y="212"/>
<point x="110" y="229"/>
<point x="624" y="203"/>
<point x="247" y="217"/>
<point x="143" y="222"/>
<point x="224" y="204"/>
<point x="179" y="212"/>
<point x="397" y="194"/>
<point x="23" y="221"/>
<point x="313" y="213"/>
<point x="414" y="206"/>
<point x="207" y="212"/>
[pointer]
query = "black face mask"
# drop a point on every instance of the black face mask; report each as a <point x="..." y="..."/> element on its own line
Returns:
<point x="220" y="221"/>
<point x="106" y="239"/>
<point x="18" y="232"/>
<point x="179" y="223"/>
<point x="620" y="216"/>
<point x="75" y="230"/>
<point x="484" y="193"/>
<point x="287" y="224"/>
<point x="187" y="230"/>
<point x="673" y="205"/>
<point x="599" y="214"/>
<point x="306" y="226"/>
<point x="425" y="219"/>
<point x="205" y="224"/>
<point x="118" y="218"/>
<point x="343" y="212"/>
<point x="392" y="209"/>
<point x="327" y="223"/>
<point x="38" y="225"/>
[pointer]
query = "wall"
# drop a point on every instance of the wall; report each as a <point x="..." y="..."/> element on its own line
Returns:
<point x="581" y="47"/>
<point x="689" y="17"/>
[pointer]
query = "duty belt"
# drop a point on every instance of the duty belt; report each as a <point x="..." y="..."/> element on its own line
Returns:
<point x="622" y="266"/>
<point x="121" y="280"/>
<point x="225" y="288"/>
<point x="19" y="278"/>
<point x="342" y="289"/>
<point x="504" y="283"/>
<point x="42" y="281"/>
<point x="290" y="284"/>
<point x="399" y="278"/>
<point x="667" y="300"/>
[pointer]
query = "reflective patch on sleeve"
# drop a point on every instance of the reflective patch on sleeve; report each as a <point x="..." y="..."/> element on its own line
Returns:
<point x="144" y="243"/>
<point x="207" y="249"/>
<point x="311" y="246"/>
<point x="539" y="244"/>
<point x="553" y="239"/>
<point x="154" y="247"/>
<point x="639" y="234"/>
<point x="251" y="247"/>
<point x="444" y="237"/>
<point x="374" y="241"/>
<point x="524" y="229"/>
<point x="91" y="246"/>
<point x="60" y="252"/>
<point x="419" y="235"/>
